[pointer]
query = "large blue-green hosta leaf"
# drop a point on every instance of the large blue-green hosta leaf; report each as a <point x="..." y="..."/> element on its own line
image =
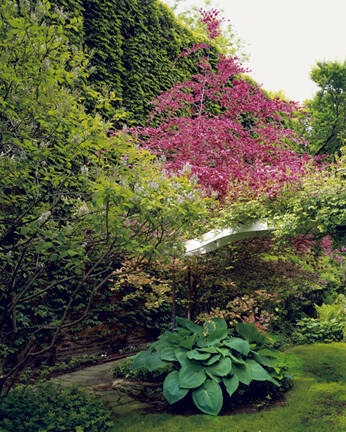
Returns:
<point x="212" y="360"/>
<point x="263" y="360"/>
<point x="267" y="352"/>
<point x="249" y="332"/>
<point x="171" y="389"/>
<point x="196" y="355"/>
<point x="191" y="375"/>
<point x="188" y="341"/>
<point x="149" y="360"/>
<point x="189" y="325"/>
<point x="238" y="344"/>
<point x="225" y="352"/>
<point x="236" y="360"/>
<point x="243" y="373"/>
<point x="259" y="373"/>
<point x="231" y="384"/>
<point x="221" y="368"/>
<point x="216" y="323"/>
<point x="211" y="350"/>
<point x="208" y="398"/>
<point x="180" y="354"/>
<point x="168" y="353"/>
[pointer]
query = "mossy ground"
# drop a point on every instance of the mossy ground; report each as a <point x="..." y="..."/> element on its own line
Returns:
<point x="316" y="403"/>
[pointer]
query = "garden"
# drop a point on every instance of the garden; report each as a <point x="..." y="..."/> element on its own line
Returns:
<point x="171" y="234"/>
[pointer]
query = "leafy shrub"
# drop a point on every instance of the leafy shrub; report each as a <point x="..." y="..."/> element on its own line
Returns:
<point x="256" y="308"/>
<point x="125" y="370"/>
<point x="206" y="361"/>
<point x="52" y="408"/>
<point x="335" y="311"/>
<point x="310" y="330"/>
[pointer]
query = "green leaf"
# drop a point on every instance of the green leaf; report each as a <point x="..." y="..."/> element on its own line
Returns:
<point x="212" y="360"/>
<point x="180" y="355"/>
<point x="189" y="325"/>
<point x="188" y="342"/>
<point x="216" y="331"/>
<point x="222" y="367"/>
<point x="259" y="373"/>
<point x="208" y="398"/>
<point x="196" y="355"/>
<point x="168" y="353"/>
<point x="248" y="331"/>
<point x="217" y="323"/>
<point x="243" y="373"/>
<point x="231" y="384"/>
<point x="173" y="338"/>
<point x="171" y="389"/>
<point x="238" y="344"/>
<point x="211" y="349"/>
<point x="141" y="359"/>
<point x="213" y="377"/>
<point x="149" y="360"/>
<point x="267" y="352"/>
<point x="263" y="360"/>
<point x="215" y="336"/>
<point x="225" y="352"/>
<point x="191" y="375"/>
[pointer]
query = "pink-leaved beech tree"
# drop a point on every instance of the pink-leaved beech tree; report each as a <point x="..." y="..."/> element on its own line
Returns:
<point x="224" y="129"/>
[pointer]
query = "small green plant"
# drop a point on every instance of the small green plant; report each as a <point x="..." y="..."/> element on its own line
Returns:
<point x="335" y="311"/>
<point x="311" y="330"/>
<point x="207" y="360"/>
<point x="125" y="370"/>
<point x="54" y="409"/>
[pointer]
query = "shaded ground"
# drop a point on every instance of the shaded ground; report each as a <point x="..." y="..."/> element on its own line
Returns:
<point x="317" y="402"/>
<point x="98" y="380"/>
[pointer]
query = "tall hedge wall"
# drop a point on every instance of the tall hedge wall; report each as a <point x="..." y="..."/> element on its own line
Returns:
<point x="134" y="44"/>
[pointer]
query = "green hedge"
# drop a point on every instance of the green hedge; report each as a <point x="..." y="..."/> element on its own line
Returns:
<point x="135" y="44"/>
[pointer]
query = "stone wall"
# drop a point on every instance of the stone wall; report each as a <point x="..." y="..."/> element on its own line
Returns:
<point x="99" y="340"/>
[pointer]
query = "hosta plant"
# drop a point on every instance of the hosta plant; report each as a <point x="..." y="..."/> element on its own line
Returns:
<point x="207" y="361"/>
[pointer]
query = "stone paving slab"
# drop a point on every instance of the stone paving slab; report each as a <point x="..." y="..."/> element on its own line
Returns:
<point x="98" y="380"/>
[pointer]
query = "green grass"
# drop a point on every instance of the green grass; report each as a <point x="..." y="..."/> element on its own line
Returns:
<point x="316" y="403"/>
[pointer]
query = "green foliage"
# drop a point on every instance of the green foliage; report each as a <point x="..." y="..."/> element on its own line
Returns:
<point x="317" y="205"/>
<point x="228" y="42"/>
<point x="206" y="360"/>
<point x="134" y="48"/>
<point x="336" y="310"/>
<point x="52" y="408"/>
<point x="124" y="370"/>
<point x="310" y="330"/>
<point x="326" y="130"/>
<point x="74" y="202"/>
<point x="260" y="280"/>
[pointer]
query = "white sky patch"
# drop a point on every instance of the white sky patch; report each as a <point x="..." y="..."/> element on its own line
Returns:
<point x="285" y="38"/>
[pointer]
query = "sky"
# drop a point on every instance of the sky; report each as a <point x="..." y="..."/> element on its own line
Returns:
<point x="285" y="38"/>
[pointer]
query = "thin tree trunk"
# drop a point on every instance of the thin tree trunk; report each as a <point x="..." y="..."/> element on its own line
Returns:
<point x="174" y="298"/>
<point x="189" y="300"/>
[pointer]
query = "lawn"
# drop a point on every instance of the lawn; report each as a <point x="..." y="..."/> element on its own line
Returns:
<point x="316" y="402"/>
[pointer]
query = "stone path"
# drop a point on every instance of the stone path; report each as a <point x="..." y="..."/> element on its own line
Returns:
<point x="98" y="380"/>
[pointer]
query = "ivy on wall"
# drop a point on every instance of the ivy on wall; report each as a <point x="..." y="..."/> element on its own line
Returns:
<point x="134" y="46"/>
